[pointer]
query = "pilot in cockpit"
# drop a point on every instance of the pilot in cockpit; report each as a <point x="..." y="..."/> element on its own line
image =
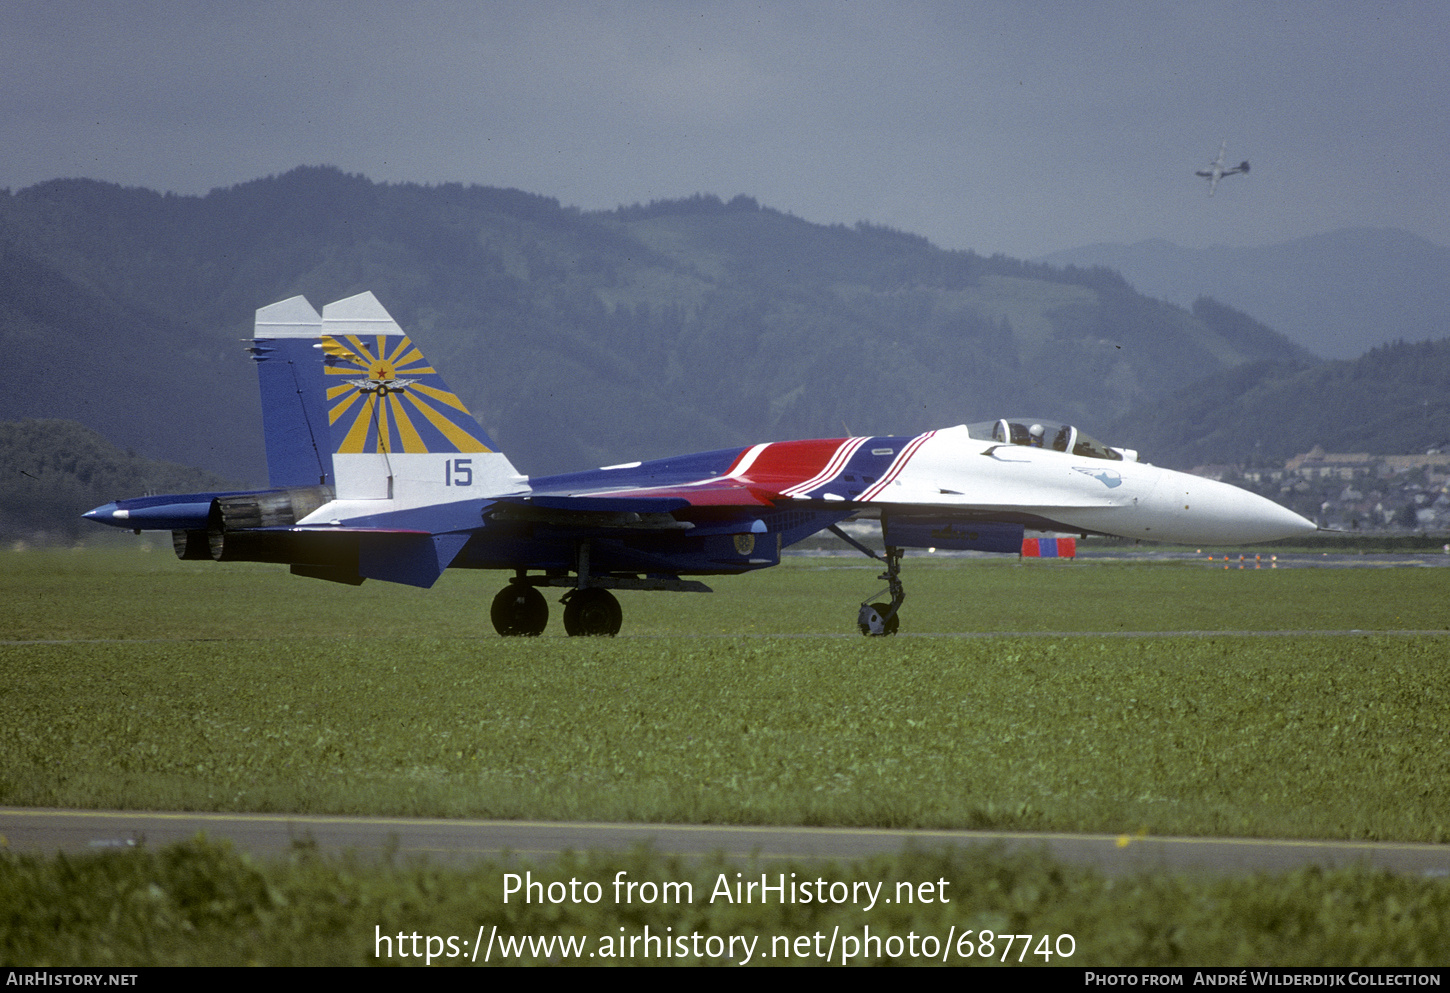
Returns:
<point x="1034" y="436"/>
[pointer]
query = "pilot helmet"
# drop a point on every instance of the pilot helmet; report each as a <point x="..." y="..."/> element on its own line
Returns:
<point x="1036" y="432"/>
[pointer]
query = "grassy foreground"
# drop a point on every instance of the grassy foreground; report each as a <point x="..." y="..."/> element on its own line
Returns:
<point x="137" y="681"/>
<point x="135" y="593"/>
<point x="246" y="689"/>
<point x="203" y="904"/>
<point x="1310" y="737"/>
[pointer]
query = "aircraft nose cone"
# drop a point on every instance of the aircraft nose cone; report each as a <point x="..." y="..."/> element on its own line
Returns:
<point x="107" y="513"/>
<point x="1194" y="510"/>
<point x="1248" y="518"/>
<point x="1284" y="521"/>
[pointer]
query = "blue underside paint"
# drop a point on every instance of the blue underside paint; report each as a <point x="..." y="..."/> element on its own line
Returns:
<point x="952" y="534"/>
<point x="411" y="559"/>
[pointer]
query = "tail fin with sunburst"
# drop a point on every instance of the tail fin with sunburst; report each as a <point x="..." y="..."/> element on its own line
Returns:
<point x="348" y="400"/>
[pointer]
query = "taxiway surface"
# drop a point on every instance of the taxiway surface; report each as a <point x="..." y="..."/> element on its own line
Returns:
<point x="46" y="831"/>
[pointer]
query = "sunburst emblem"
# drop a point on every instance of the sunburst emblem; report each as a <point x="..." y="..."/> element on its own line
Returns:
<point x="389" y="399"/>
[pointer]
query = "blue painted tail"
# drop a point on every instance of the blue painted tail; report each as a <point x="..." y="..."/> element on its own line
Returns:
<point x="349" y="402"/>
<point x="294" y="412"/>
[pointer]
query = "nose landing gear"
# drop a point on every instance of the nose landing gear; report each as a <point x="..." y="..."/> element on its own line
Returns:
<point x="879" y="619"/>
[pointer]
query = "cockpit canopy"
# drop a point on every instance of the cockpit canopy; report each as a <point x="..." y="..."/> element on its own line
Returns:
<point x="1047" y="434"/>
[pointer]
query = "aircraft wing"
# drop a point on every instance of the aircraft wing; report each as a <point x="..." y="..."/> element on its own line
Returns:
<point x="666" y="498"/>
<point x="750" y="479"/>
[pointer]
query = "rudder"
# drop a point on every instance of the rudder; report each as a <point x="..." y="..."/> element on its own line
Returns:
<point x="289" y="374"/>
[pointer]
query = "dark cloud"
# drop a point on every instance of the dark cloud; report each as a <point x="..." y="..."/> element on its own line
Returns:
<point x="1020" y="128"/>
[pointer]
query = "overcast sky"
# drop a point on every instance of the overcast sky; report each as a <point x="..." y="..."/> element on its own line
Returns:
<point x="1021" y="128"/>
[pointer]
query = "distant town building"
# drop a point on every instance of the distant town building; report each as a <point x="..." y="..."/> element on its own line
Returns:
<point x="1354" y="490"/>
<point x="1319" y="464"/>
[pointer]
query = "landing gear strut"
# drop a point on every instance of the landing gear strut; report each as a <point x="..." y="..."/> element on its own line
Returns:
<point x="879" y="619"/>
<point x="882" y="618"/>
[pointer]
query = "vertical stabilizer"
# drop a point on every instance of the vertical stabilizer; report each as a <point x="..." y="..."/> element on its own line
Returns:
<point x="289" y="372"/>
<point x="398" y="431"/>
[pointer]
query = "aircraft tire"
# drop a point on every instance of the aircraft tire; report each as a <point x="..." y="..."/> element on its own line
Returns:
<point x="891" y="626"/>
<point x="592" y="611"/>
<point x="519" y="611"/>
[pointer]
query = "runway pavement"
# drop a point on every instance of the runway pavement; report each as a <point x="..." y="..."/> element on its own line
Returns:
<point x="42" y="831"/>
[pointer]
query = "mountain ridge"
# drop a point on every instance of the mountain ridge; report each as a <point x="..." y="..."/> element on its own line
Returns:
<point x="1338" y="293"/>
<point x="577" y="338"/>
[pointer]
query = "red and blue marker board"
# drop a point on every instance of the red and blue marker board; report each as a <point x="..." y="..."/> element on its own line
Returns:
<point x="1049" y="548"/>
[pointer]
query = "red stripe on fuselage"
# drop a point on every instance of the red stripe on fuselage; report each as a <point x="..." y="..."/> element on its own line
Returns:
<point x="787" y="463"/>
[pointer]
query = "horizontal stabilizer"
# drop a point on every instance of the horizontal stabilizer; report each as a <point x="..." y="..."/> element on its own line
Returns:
<point x="410" y="559"/>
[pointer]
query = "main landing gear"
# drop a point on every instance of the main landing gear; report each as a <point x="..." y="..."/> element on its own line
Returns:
<point x="879" y="619"/>
<point x="592" y="611"/>
<point x="520" y="610"/>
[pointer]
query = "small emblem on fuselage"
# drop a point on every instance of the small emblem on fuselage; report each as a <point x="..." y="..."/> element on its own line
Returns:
<point x="1108" y="477"/>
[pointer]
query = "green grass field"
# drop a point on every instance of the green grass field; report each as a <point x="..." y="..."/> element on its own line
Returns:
<point x="137" y="681"/>
<point x="132" y="593"/>
<point x="203" y="904"/>
<point x="144" y="682"/>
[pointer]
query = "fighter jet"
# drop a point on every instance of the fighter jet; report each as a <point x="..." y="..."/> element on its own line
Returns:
<point x="378" y="471"/>
<point x="1216" y="171"/>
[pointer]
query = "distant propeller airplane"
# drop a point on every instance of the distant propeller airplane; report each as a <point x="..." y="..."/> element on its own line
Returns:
<point x="1216" y="171"/>
<point x="378" y="471"/>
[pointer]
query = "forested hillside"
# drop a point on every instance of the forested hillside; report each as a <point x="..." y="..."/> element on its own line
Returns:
<point x="1393" y="400"/>
<point x="577" y="339"/>
<point x="1338" y="294"/>
<point x="52" y="472"/>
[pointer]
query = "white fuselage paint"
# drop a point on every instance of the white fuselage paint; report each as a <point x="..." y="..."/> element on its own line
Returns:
<point x="954" y="471"/>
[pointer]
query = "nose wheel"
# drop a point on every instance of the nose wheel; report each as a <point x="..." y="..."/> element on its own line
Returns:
<point x="879" y="619"/>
